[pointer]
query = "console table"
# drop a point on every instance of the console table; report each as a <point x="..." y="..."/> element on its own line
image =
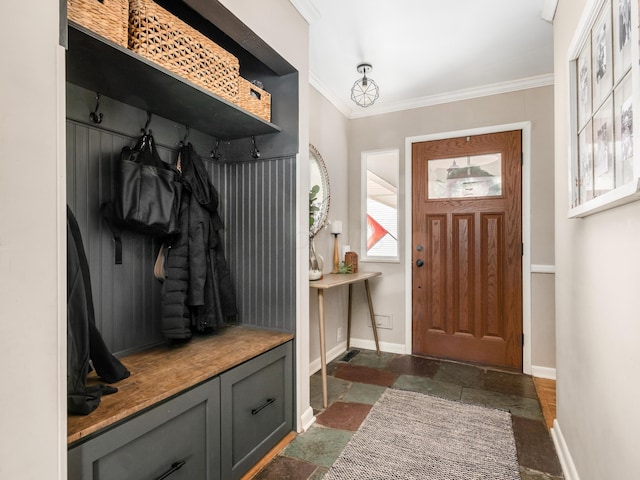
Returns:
<point x="332" y="280"/>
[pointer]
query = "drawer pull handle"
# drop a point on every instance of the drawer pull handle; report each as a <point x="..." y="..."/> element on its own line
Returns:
<point x="269" y="401"/>
<point x="175" y="466"/>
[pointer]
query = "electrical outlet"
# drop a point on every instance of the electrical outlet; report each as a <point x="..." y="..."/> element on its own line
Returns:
<point x="339" y="335"/>
<point x="383" y="321"/>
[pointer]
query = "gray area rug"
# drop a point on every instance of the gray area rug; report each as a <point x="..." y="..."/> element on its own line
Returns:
<point x="410" y="435"/>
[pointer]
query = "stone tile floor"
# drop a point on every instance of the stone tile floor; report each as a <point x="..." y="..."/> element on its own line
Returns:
<point x="354" y="386"/>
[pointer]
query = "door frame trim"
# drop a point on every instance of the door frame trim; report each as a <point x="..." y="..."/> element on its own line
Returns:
<point x="525" y="127"/>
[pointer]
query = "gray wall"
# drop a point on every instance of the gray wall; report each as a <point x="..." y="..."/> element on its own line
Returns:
<point x="257" y="205"/>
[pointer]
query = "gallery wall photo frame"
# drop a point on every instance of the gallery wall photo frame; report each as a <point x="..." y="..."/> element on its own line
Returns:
<point x="605" y="105"/>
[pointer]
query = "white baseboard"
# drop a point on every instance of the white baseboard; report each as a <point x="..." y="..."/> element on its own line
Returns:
<point x="306" y="420"/>
<point x="566" y="462"/>
<point x="332" y="354"/>
<point x="384" y="346"/>
<point x="341" y="348"/>
<point x="543" y="372"/>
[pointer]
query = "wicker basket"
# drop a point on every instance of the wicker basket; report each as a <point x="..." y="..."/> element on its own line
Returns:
<point x="254" y="99"/>
<point x="107" y="18"/>
<point x="163" y="38"/>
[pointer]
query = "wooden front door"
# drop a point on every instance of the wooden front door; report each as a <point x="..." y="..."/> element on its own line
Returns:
<point x="467" y="248"/>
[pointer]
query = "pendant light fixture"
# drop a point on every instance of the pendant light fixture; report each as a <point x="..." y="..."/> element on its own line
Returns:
<point x="364" y="91"/>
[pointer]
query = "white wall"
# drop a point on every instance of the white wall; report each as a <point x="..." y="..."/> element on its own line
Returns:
<point x="597" y="305"/>
<point x="32" y="239"/>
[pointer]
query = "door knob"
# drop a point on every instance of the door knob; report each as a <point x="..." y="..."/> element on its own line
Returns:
<point x="419" y="262"/>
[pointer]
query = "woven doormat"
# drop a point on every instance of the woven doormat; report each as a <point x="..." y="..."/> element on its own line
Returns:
<point x="410" y="435"/>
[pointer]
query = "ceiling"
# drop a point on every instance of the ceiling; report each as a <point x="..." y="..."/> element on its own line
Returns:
<point x="425" y="52"/>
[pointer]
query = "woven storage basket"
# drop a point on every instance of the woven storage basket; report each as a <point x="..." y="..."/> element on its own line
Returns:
<point x="254" y="99"/>
<point x="166" y="40"/>
<point x="107" y="18"/>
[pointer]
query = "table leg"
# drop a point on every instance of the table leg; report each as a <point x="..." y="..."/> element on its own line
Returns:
<point x="373" y="318"/>
<point x="323" y="354"/>
<point x="349" y="318"/>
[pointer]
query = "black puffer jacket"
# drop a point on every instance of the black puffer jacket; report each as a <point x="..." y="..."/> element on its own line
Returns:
<point x="197" y="293"/>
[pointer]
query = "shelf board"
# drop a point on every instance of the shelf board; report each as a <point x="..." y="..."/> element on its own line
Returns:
<point x="102" y="66"/>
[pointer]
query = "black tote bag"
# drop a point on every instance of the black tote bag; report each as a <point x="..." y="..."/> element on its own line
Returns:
<point x="147" y="190"/>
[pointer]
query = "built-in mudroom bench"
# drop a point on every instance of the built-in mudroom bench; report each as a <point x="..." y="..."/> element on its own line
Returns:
<point x="212" y="406"/>
<point x="206" y="410"/>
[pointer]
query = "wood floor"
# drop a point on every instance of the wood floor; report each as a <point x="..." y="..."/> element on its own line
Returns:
<point x="546" y="390"/>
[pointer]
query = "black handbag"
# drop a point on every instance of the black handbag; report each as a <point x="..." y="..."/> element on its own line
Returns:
<point x="147" y="195"/>
<point x="147" y="190"/>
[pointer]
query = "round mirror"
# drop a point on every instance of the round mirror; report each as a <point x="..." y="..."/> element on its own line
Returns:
<point x="318" y="191"/>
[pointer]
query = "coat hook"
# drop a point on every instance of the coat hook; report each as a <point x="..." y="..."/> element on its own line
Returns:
<point x="214" y="153"/>
<point x="95" y="116"/>
<point x="255" y="153"/>
<point x="144" y="130"/>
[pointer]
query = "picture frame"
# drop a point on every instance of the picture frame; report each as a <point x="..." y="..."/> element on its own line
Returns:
<point x="602" y="56"/>
<point x="623" y="128"/>
<point x="604" y="165"/>
<point x="621" y="37"/>
<point x="584" y="177"/>
<point x="584" y="86"/>
<point x="603" y="160"/>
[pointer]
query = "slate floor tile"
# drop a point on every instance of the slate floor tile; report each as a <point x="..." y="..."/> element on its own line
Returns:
<point x="319" y="473"/>
<point x="369" y="358"/>
<point x="460" y="374"/>
<point x="336" y="389"/>
<point x="535" y="446"/>
<point x="319" y="445"/>
<point x="526" y="474"/>
<point x="510" y="383"/>
<point x="361" y="374"/>
<point x="411" y="365"/>
<point x="354" y="386"/>
<point x="412" y="383"/>
<point x="363" y="393"/>
<point x="344" y="415"/>
<point x="286" y="468"/>
<point x="520" y="406"/>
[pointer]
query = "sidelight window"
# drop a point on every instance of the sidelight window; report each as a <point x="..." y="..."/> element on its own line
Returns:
<point x="380" y="171"/>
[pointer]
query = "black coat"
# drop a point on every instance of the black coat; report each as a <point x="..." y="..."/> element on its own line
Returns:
<point x="84" y="341"/>
<point x="197" y="293"/>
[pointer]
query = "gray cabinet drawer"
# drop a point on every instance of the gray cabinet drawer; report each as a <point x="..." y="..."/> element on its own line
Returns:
<point x="184" y="429"/>
<point x="256" y="398"/>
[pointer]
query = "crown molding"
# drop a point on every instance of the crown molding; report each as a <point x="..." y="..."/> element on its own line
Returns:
<point x="307" y="9"/>
<point x="341" y="106"/>
<point x="456" y="96"/>
<point x="549" y="10"/>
